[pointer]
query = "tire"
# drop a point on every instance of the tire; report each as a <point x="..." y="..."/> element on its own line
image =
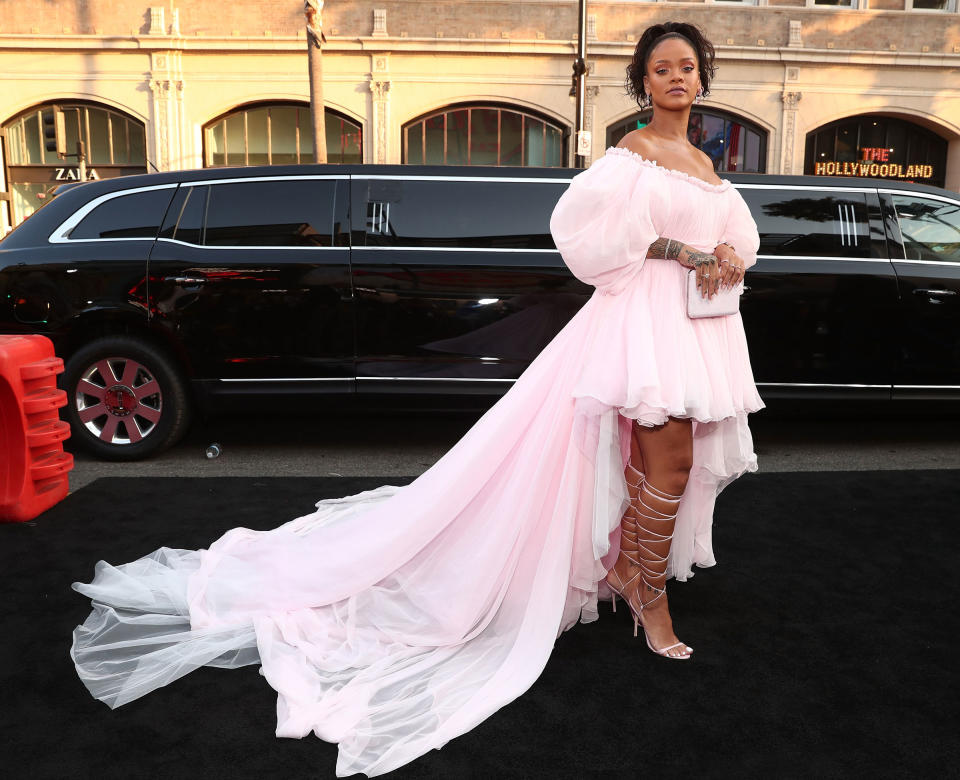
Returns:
<point x="137" y="410"/>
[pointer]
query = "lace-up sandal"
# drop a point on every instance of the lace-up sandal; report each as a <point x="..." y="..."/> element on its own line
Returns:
<point x="653" y="565"/>
<point x="628" y="545"/>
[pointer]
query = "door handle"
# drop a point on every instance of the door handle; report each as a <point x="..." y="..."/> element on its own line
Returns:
<point x="185" y="279"/>
<point x="935" y="293"/>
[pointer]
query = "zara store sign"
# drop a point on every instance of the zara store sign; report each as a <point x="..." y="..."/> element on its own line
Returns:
<point x="73" y="174"/>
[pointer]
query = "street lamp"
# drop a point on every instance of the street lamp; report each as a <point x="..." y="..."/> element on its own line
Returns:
<point x="581" y="136"/>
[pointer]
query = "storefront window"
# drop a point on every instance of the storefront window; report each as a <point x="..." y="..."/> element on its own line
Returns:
<point x="113" y="145"/>
<point x="278" y="134"/>
<point x="877" y="146"/>
<point x="106" y="136"/>
<point x="732" y="143"/>
<point x="946" y="6"/>
<point x="483" y="135"/>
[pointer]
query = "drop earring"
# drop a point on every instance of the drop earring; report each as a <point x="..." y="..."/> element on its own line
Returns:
<point x="699" y="96"/>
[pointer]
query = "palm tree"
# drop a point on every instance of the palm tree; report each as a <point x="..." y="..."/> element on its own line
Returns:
<point x="313" y="9"/>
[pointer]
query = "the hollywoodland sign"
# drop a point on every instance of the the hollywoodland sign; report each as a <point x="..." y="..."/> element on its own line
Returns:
<point x="874" y="163"/>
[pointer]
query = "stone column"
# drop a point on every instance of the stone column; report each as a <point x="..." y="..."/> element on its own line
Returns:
<point x="589" y="114"/>
<point x="379" y="147"/>
<point x="791" y="101"/>
<point x="165" y="147"/>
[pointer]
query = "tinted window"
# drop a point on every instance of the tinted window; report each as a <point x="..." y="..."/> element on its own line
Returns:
<point x="288" y="212"/>
<point x="930" y="228"/>
<point x="127" y="216"/>
<point x="184" y="220"/>
<point x="190" y="222"/>
<point x="458" y="214"/>
<point x="812" y="223"/>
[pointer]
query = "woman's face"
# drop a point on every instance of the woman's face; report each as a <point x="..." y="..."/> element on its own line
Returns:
<point x="672" y="66"/>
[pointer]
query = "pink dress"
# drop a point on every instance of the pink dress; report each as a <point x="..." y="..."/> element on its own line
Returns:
<point x="395" y="619"/>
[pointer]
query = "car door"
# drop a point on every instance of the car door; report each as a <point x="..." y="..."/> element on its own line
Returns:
<point x="252" y="277"/>
<point x="820" y="304"/>
<point x="925" y="247"/>
<point x="457" y="281"/>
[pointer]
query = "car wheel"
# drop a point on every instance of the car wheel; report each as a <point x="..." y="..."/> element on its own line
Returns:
<point x="126" y="400"/>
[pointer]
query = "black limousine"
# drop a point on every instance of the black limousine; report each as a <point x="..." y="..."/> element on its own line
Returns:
<point x="279" y="284"/>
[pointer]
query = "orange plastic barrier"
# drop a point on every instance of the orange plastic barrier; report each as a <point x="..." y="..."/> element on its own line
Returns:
<point x="33" y="466"/>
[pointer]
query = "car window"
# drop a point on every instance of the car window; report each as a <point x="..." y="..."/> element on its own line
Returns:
<point x="810" y="223"/>
<point x="460" y="214"/>
<point x="285" y="212"/>
<point x="184" y="221"/>
<point x="127" y="216"/>
<point x="930" y="228"/>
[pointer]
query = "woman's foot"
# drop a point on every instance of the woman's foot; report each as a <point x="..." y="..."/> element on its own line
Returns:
<point x="658" y="625"/>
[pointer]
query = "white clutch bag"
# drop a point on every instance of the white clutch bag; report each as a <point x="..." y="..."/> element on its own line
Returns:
<point x="725" y="301"/>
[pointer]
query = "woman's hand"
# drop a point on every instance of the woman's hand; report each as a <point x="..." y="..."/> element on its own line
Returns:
<point x="731" y="265"/>
<point x="708" y="273"/>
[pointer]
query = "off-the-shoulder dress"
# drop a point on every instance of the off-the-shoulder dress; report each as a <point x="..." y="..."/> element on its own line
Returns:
<point x="395" y="619"/>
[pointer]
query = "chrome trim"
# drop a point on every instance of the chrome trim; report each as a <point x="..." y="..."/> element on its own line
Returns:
<point x="448" y="249"/>
<point x="401" y="177"/>
<point x="926" y="387"/>
<point x="245" y="179"/>
<point x="205" y="246"/>
<point x="431" y="379"/>
<point x="824" y="257"/>
<point x="820" y="384"/>
<point x="804" y="187"/>
<point x="293" y="379"/>
<point x="927" y="262"/>
<point x="59" y="234"/>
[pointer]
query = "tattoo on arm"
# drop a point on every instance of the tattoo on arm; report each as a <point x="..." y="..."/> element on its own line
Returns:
<point x="666" y="248"/>
<point x="696" y="259"/>
<point x="686" y="255"/>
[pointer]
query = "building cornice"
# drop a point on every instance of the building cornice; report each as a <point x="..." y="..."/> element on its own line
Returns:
<point x="465" y="46"/>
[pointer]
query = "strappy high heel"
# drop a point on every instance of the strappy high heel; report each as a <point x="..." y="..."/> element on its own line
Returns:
<point x="651" y="565"/>
<point x="628" y="534"/>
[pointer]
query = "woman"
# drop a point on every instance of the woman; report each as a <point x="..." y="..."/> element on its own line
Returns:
<point x="672" y="67"/>
<point x="396" y="619"/>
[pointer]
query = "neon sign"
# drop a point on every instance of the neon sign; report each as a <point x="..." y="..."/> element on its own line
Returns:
<point x="876" y="170"/>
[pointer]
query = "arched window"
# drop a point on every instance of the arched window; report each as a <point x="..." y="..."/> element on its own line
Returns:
<point x="114" y="144"/>
<point x="484" y="135"/>
<point x="278" y="134"/>
<point x="733" y="143"/>
<point x="877" y="146"/>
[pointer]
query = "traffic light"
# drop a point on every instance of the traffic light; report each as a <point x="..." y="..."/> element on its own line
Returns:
<point x="54" y="131"/>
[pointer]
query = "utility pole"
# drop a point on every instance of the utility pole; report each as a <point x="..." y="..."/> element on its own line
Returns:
<point x="312" y="10"/>
<point x="581" y="136"/>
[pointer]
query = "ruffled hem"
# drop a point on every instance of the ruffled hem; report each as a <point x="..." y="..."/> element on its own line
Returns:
<point x="704" y="185"/>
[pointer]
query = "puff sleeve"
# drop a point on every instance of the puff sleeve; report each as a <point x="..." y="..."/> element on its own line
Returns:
<point x="740" y="230"/>
<point x="603" y="224"/>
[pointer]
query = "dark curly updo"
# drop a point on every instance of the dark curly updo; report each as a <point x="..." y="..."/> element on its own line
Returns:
<point x="656" y="33"/>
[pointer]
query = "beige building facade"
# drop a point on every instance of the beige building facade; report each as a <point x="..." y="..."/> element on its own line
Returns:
<point x="870" y="87"/>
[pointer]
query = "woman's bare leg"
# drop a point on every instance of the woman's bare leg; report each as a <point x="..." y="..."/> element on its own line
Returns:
<point x="667" y="455"/>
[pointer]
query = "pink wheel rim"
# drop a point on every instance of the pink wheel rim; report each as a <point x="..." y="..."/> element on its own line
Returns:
<point x="118" y="401"/>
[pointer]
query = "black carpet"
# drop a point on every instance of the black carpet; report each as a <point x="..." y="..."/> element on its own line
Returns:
<point x="824" y="647"/>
